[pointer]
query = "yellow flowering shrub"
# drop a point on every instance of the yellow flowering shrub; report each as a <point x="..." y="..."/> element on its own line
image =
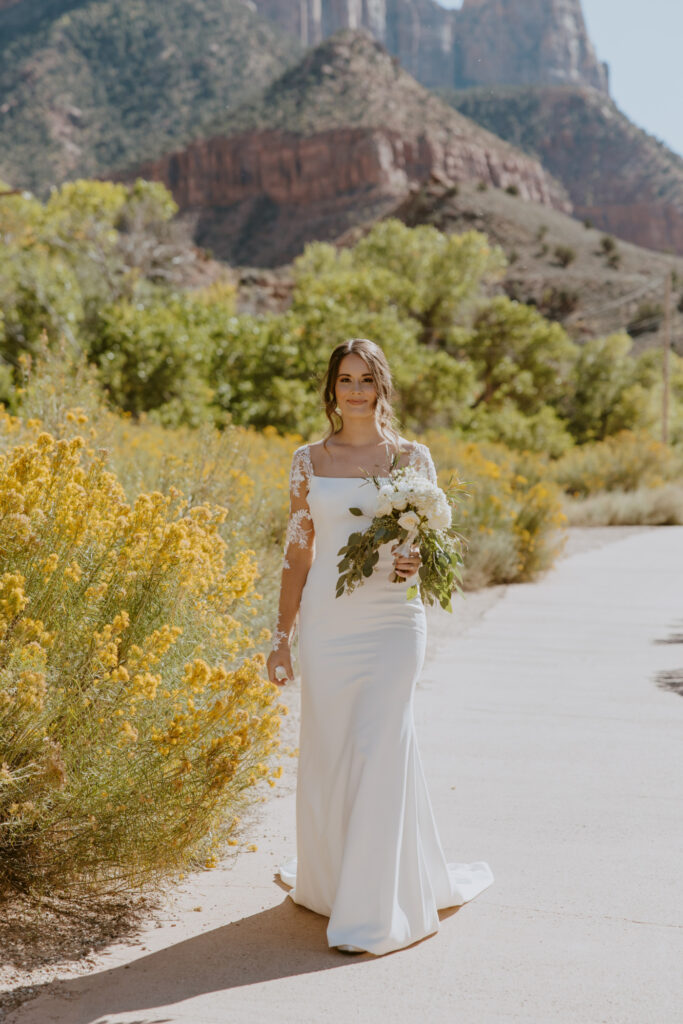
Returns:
<point x="511" y="511"/>
<point x="134" y="710"/>
<point x="242" y="469"/>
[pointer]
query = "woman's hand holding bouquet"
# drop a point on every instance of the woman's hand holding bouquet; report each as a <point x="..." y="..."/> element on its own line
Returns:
<point x="413" y="510"/>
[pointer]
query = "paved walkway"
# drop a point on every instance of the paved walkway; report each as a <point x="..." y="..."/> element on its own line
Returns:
<point x="551" y="753"/>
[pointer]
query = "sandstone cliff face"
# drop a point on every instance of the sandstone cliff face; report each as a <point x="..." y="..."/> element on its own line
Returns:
<point x="525" y="41"/>
<point x="257" y="198"/>
<point x="617" y="175"/>
<point x="487" y="41"/>
<point x="337" y="139"/>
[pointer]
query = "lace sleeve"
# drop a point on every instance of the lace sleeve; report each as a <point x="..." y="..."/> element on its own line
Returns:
<point x="299" y="538"/>
<point x="300" y="524"/>
<point x="421" y="459"/>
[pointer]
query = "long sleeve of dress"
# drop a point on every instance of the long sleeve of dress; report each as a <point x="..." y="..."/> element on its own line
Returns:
<point x="422" y="461"/>
<point x="298" y="547"/>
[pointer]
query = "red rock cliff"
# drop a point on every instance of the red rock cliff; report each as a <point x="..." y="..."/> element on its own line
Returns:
<point x="258" y="197"/>
<point x="617" y="175"/>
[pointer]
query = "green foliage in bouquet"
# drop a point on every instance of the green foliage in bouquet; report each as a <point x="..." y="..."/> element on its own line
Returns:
<point x="441" y="570"/>
<point x="411" y="510"/>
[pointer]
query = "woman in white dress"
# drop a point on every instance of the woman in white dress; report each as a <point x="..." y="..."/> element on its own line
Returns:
<point x="368" y="851"/>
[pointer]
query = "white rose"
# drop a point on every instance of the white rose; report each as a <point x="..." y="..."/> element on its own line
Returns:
<point x="384" y="506"/>
<point x="409" y="521"/>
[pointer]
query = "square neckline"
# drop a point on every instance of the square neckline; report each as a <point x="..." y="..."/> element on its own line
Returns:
<point x="317" y="476"/>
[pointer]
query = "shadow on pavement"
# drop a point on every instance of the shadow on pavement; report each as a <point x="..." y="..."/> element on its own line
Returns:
<point x="275" y="943"/>
<point x="280" y="942"/>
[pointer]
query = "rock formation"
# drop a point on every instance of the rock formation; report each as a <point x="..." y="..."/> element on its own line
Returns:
<point x="338" y="139"/>
<point x="619" y="177"/>
<point x="519" y="42"/>
<point x="487" y="41"/>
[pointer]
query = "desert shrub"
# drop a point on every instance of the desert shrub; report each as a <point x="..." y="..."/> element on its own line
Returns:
<point x="156" y="357"/>
<point x="558" y="303"/>
<point x="646" y="319"/>
<point x="134" y="717"/>
<point x="647" y="506"/>
<point x="512" y="517"/>
<point x="512" y="190"/>
<point x="429" y="278"/>
<point x="90" y="244"/>
<point x="626" y="461"/>
<point x="245" y="471"/>
<point x="564" y="254"/>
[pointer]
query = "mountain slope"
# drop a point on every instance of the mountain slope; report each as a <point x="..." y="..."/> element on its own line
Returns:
<point x="337" y="138"/>
<point x="618" y="176"/>
<point x="86" y="86"/>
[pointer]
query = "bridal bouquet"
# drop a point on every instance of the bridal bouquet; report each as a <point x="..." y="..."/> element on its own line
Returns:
<point x="411" y="509"/>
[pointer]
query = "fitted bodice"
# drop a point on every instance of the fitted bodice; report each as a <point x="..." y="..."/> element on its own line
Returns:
<point x="329" y="501"/>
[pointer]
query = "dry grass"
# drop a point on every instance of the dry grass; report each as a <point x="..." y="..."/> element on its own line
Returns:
<point x="647" y="506"/>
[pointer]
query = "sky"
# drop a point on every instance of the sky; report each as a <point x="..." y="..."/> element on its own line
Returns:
<point x="641" y="42"/>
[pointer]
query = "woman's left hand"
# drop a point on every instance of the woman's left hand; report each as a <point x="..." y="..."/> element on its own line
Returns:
<point x="407" y="565"/>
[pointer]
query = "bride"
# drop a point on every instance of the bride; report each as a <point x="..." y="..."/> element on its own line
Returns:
<point x="368" y="851"/>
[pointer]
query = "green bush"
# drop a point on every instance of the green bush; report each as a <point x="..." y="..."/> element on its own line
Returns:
<point x="157" y="358"/>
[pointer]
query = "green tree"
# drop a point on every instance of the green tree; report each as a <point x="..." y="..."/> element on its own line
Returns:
<point x="610" y="390"/>
<point x="156" y="358"/>
<point x="518" y="356"/>
<point x="426" y="276"/>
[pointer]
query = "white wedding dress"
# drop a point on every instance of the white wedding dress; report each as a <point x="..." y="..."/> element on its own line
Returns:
<point x="368" y="851"/>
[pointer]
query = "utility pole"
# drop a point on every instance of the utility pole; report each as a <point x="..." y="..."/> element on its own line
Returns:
<point x="666" y="383"/>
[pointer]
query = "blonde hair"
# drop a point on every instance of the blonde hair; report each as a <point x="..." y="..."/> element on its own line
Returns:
<point x="377" y="363"/>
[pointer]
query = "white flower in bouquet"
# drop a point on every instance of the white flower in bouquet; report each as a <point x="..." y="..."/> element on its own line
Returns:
<point x="409" y="521"/>
<point x="410" y="509"/>
<point x="384" y="501"/>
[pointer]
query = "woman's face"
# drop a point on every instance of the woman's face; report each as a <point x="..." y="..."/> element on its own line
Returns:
<point x="355" y="389"/>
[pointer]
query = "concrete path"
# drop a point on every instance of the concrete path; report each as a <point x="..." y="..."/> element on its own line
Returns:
<point x="551" y="753"/>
